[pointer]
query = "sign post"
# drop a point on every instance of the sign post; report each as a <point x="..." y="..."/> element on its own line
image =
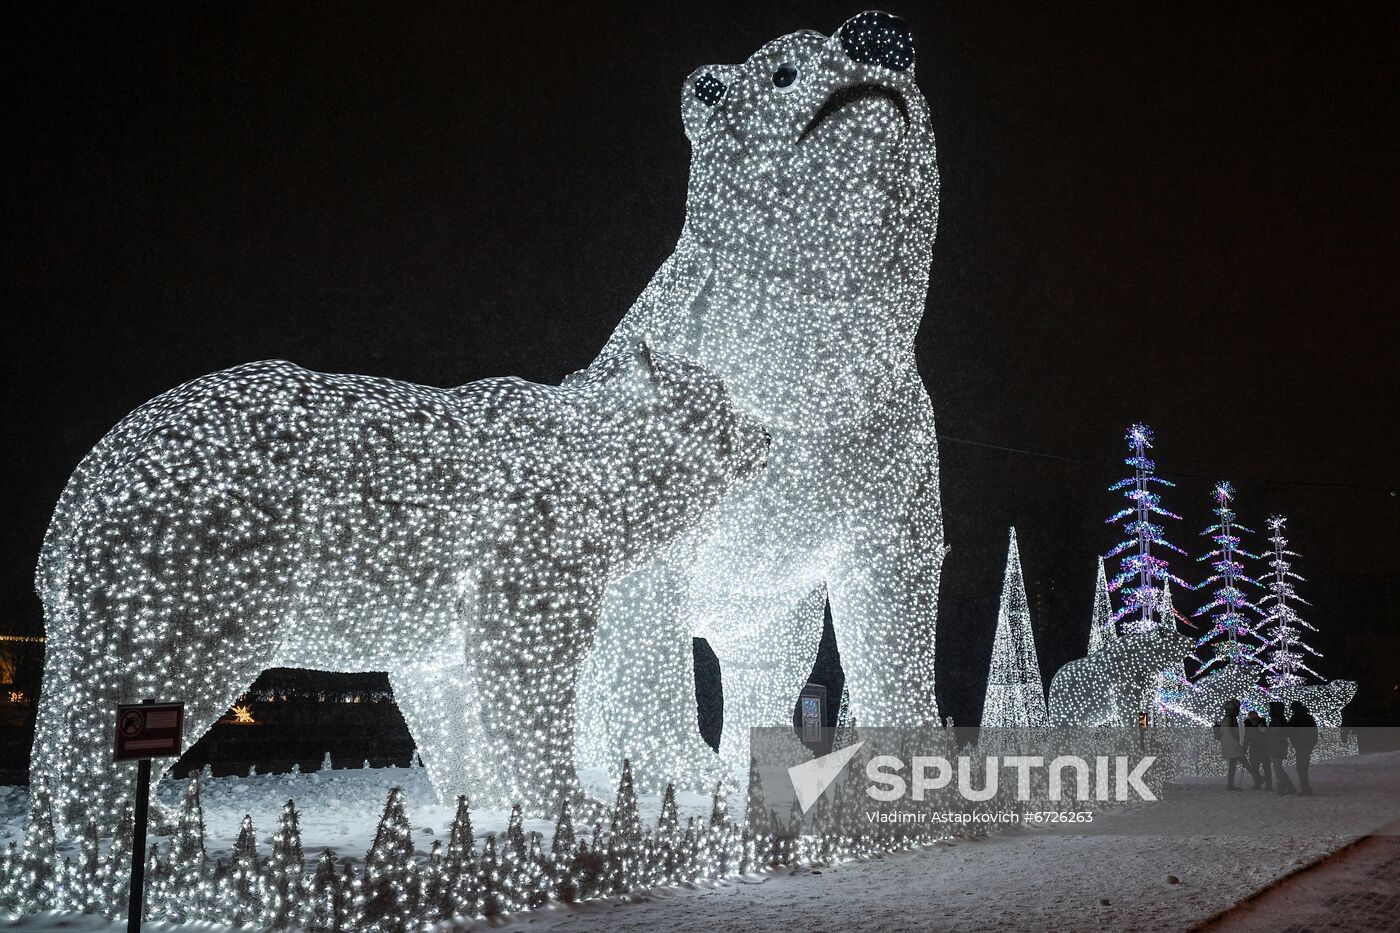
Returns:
<point x="145" y="730"/>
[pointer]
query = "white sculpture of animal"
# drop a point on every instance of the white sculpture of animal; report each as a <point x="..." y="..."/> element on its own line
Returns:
<point x="800" y="277"/>
<point x="1122" y="679"/>
<point x="459" y="539"/>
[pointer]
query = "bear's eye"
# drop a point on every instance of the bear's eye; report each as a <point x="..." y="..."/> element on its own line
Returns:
<point x="785" y="77"/>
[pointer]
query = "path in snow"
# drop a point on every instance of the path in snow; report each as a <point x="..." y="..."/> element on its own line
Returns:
<point x="1222" y="847"/>
<point x="1356" y="889"/>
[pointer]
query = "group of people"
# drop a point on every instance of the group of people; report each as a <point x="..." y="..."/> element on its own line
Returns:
<point x="1261" y="747"/>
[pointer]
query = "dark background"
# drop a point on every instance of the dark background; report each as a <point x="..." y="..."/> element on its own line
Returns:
<point x="1184" y="214"/>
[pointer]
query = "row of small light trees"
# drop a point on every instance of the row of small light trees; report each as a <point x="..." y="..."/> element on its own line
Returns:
<point x="393" y="889"/>
<point x="1263" y="635"/>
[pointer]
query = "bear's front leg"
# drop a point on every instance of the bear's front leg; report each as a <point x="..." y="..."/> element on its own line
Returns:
<point x="637" y="689"/>
<point x="534" y="625"/>
<point x="766" y="649"/>
<point x="884" y="594"/>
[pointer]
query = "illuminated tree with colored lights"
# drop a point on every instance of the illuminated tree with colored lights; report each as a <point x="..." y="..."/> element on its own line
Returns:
<point x="1284" y="650"/>
<point x="1232" y="638"/>
<point x="1141" y="572"/>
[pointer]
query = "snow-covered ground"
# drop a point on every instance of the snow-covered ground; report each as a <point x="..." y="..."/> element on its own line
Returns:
<point x="1220" y="847"/>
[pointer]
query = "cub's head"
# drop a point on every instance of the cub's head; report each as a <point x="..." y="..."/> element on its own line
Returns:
<point x="816" y="156"/>
<point x="679" y="441"/>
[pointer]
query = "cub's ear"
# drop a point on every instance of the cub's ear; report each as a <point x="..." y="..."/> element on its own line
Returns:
<point x="649" y="358"/>
<point x="706" y="87"/>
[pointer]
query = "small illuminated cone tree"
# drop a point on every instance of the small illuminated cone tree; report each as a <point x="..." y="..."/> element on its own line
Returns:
<point x="329" y="899"/>
<point x="1015" y="693"/>
<point x="390" y="887"/>
<point x="34" y="876"/>
<point x="845" y="722"/>
<point x="625" y="838"/>
<point x="1284" y="652"/>
<point x="461" y="865"/>
<point x="116" y="868"/>
<point x="242" y="894"/>
<point x="1231" y="639"/>
<point x="188" y="861"/>
<point x="1141" y="571"/>
<point x="1101" y="627"/>
<point x="89" y="878"/>
<point x="286" y="892"/>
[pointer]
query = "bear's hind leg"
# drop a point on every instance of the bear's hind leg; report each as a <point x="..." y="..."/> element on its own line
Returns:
<point x="524" y="652"/>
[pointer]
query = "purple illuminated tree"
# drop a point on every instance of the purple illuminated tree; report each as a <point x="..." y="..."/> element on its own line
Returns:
<point x="1141" y="573"/>
<point x="1232" y="638"/>
<point x="1283" y="650"/>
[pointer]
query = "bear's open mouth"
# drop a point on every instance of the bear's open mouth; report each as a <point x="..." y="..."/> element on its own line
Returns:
<point x="842" y="97"/>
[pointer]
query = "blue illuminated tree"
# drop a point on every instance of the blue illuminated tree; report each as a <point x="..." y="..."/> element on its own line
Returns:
<point x="1141" y="573"/>
<point x="1232" y="638"/>
<point x="1283" y="651"/>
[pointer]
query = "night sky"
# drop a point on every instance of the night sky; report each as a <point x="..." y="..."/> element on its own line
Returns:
<point x="1181" y="214"/>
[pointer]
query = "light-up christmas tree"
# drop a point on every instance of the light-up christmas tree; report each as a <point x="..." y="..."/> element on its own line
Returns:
<point x="1101" y="627"/>
<point x="390" y="889"/>
<point x="285" y="883"/>
<point x="1231" y="639"/>
<point x="1141" y="572"/>
<point x="1283" y="651"/>
<point x="1015" y="693"/>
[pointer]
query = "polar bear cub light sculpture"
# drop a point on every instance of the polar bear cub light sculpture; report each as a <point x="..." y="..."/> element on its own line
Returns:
<point x="800" y="278"/>
<point x="458" y="538"/>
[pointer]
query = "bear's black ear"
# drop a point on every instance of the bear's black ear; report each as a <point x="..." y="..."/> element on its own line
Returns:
<point x="706" y="87"/>
<point x="877" y="38"/>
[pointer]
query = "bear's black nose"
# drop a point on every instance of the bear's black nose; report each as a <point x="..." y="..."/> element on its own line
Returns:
<point x="877" y="38"/>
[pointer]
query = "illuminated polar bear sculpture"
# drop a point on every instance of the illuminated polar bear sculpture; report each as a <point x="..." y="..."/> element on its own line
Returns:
<point x="271" y="516"/>
<point x="1125" y="677"/>
<point x="800" y="277"/>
